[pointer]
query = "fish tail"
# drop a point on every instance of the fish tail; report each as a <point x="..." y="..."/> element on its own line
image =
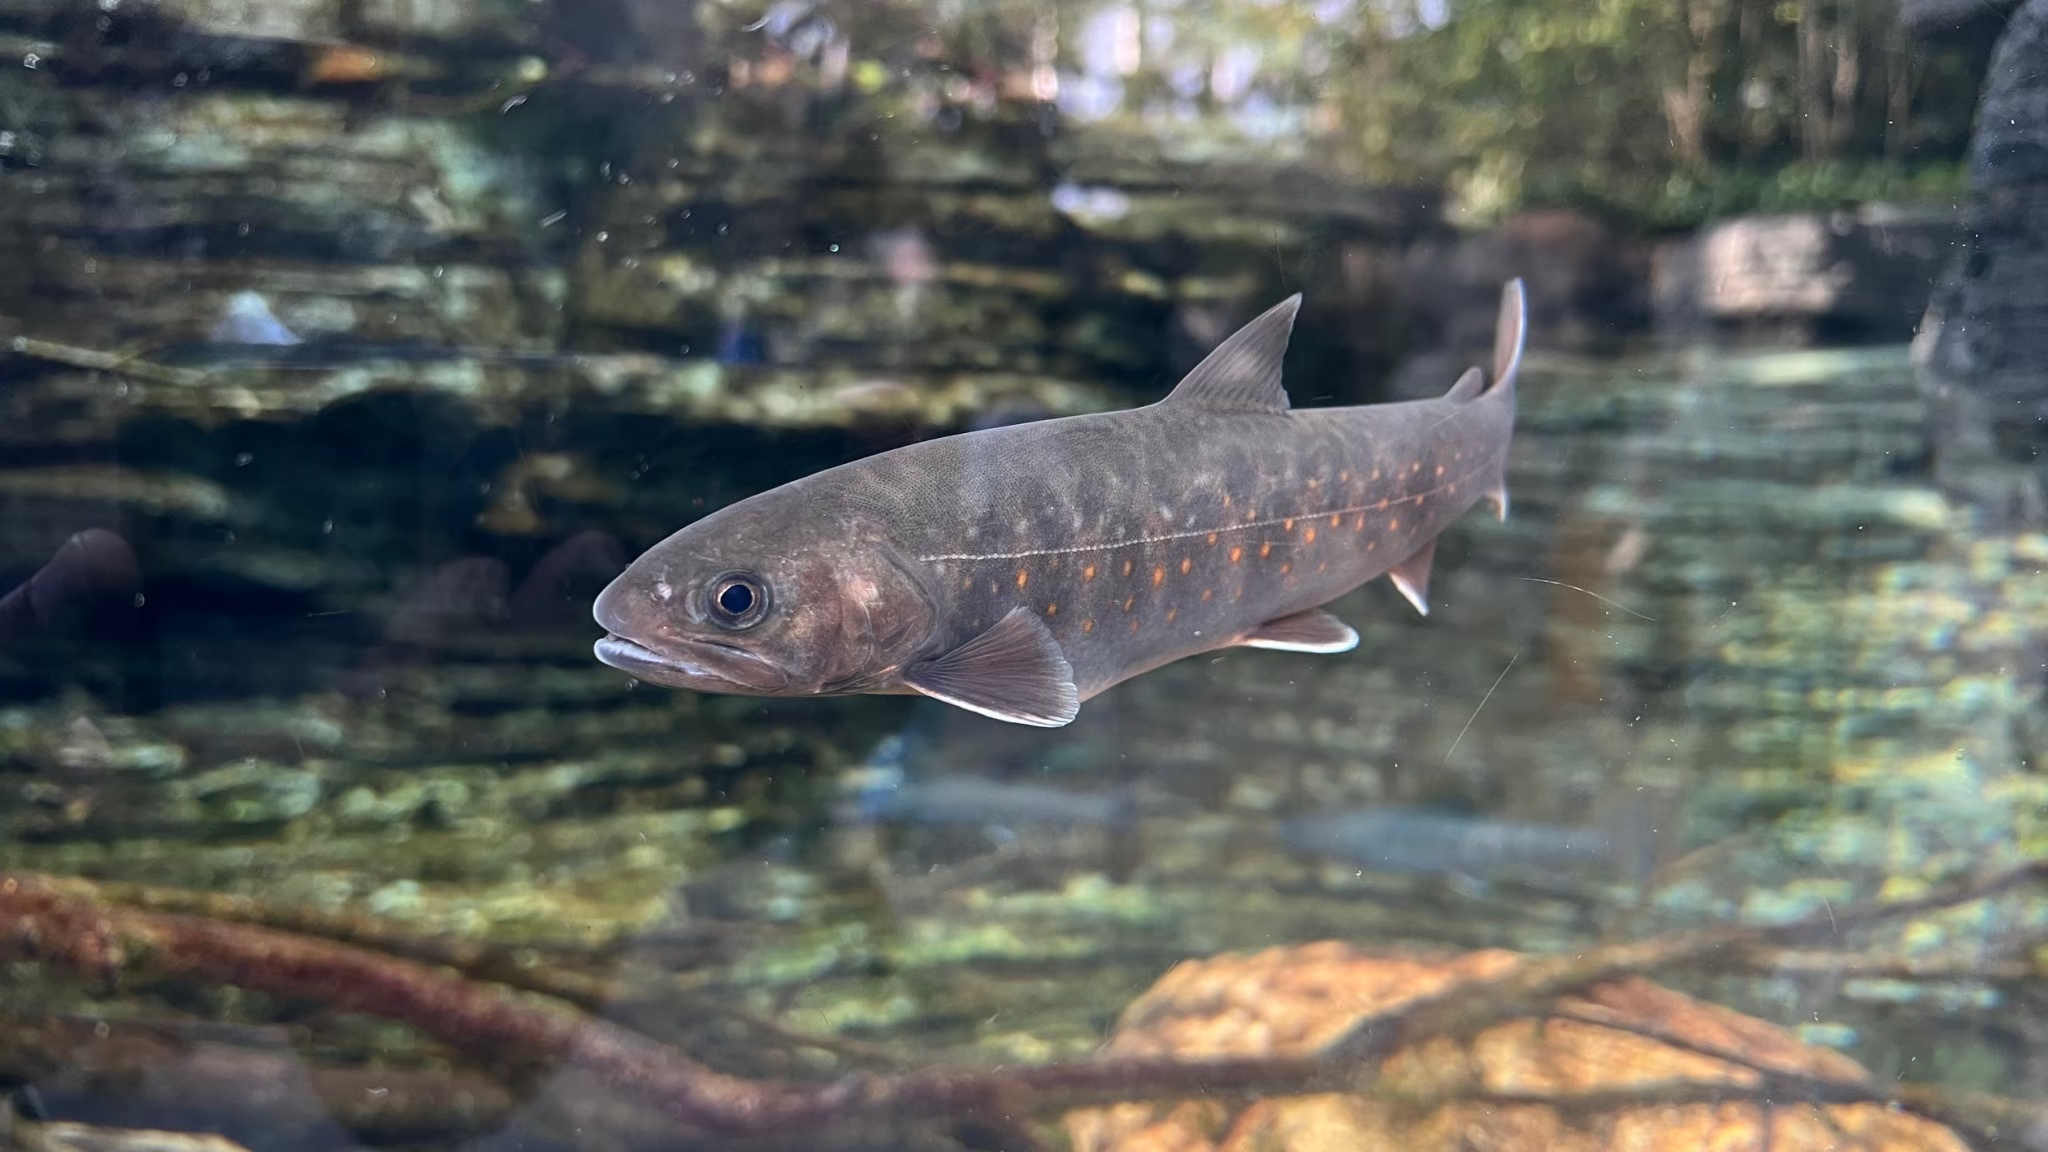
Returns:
<point x="1510" y="336"/>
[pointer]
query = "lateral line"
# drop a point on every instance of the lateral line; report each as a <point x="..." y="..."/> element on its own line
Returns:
<point x="1246" y="526"/>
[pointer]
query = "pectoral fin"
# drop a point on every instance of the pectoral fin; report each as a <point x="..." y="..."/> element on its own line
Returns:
<point x="1015" y="671"/>
<point x="1312" y="631"/>
<point x="1411" y="576"/>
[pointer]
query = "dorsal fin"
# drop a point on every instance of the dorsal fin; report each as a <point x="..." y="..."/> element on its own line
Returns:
<point x="1243" y="373"/>
<point x="1471" y="384"/>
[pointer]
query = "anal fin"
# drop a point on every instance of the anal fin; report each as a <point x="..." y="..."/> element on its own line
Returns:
<point x="1411" y="576"/>
<point x="1312" y="631"/>
<point x="1015" y="672"/>
<point x="1499" y="499"/>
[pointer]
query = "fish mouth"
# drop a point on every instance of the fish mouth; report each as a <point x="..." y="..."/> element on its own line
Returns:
<point x="704" y="665"/>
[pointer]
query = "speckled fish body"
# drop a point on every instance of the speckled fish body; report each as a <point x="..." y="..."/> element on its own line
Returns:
<point x="1018" y="571"/>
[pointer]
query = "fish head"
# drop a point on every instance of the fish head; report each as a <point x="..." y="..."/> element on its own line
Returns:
<point x="751" y="613"/>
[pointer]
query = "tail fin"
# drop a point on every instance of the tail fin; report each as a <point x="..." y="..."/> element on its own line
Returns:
<point x="1510" y="334"/>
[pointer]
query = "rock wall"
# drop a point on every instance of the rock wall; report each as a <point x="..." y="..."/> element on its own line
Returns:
<point x="1861" y="276"/>
<point x="1986" y="332"/>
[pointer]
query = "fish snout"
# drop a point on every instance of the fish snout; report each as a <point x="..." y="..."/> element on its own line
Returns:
<point x="607" y="608"/>
<point x="693" y="662"/>
<point x="652" y="643"/>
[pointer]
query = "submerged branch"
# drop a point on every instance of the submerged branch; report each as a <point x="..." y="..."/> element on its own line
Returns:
<point x="495" y="964"/>
<point x="92" y="359"/>
<point x="39" y="921"/>
<point x="164" y="1073"/>
<point x="1470" y="1008"/>
<point x="1989" y="1121"/>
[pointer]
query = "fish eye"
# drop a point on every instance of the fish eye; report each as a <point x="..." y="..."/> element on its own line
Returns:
<point x="737" y="600"/>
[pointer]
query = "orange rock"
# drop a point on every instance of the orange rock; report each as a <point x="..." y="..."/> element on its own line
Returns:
<point x="1291" y="1001"/>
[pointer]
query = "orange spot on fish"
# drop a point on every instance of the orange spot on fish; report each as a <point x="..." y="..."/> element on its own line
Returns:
<point x="1358" y="523"/>
<point x="1251" y="515"/>
<point x="1286" y="568"/>
<point x="1087" y="626"/>
<point x="1371" y="545"/>
<point x="1052" y="609"/>
<point x="1226" y="499"/>
<point x="1206" y="593"/>
<point x="1336" y="518"/>
<point x="1212" y="539"/>
<point x="1393" y="525"/>
<point x="1185" y="564"/>
<point x="1439" y="469"/>
<point x="1236" y="553"/>
<point x="1023" y="577"/>
<point x="1344" y="477"/>
<point x="1287" y="525"/>
<point x="967" y="583"/>
<point x="1375" y="473"/>
<point x="1308" y="536"/>
<point x="1127" y="567"/>
<point x="1171" y="613"/>
<point x="1158" y="575"/>
<point x="1323" y="566"/>
<point x="1088" y="573"/>
<point x="1265" y="549"/>
<point x="1313" y="483"/>
<point x="1128" y="601"/>
<point x="1383" y="504"/>
<point x="1415" y="467"/>
<point x="1134" y="627"/>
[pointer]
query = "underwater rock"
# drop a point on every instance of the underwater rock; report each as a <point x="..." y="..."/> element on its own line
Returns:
<point x="1985" y="335"/>
<point x="143" y="216"/>
<point x="1626" y="1034"/>
<point x="1862" y="276"/>
<point x="1934" y="17"/>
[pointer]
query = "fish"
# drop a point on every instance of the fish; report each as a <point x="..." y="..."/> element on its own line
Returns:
<point x="586" y="561"/>
<point x="1430" y="841"/>
<point x="888" y="798"/>
<point x="92" y="582"/>
<point x="1018" y="571"/>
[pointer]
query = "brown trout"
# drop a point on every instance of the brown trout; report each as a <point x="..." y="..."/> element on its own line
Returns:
<point x="1017" y="571"/>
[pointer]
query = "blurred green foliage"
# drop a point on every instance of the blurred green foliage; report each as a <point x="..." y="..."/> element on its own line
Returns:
<point x="1665" y="112"/>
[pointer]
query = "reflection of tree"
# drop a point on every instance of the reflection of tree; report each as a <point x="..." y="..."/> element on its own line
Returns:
<point x="1671" y="107"/>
